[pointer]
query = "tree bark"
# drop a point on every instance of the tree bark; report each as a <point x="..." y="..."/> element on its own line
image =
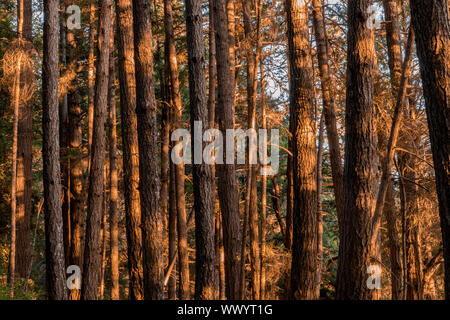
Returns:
<point x="205" y="275"/>
<point x="360" y="170"/>
<point x="92" y="261"/>
<point x="305" y="228"/>
<point x="328" y="103"/>
<point x="113" y="177"/>
<point x="432" y="28"/>
<point x="127" y="81"/>
<point x="148" y="150"/>
<point x="24" y="150"/>
<point x="54" y="250"/>
<point x="228" y="189"/>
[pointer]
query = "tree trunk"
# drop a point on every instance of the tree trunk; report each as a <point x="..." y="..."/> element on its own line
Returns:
<point x="305" y="229"/>
<point x="24" y="151"/>
<point x="394" y="244"/>
<point x="113" y="177"/>
<point x="432" y="28"/>
<point x="328" y="103"/>
<point x="360" y="171"/>
<point x="205" y="276"/>
<point x="228" y="189"/>
<point x="175" y="98"/>
<point x="148" y="151"/>
<point x="92" y="261"/>
<point x="91" y="73"/>
<point x="250" y="45"/>
<point x="75" y="152"/>
<point x="125" y="49"/>
<point x="54" y="250"/>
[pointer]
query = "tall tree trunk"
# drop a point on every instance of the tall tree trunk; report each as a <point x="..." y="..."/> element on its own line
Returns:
<point x="205" y="276"/>
<point x="54" y="250"/>
<point x="328" y="103"/>
<point x="24" y="151"/>
<point x="125" y="50"/>
<point x="304" y="245"/>
<point x="92" y="262"/>
<point x="432" y="28"/>
<point x="148" y="150"/>
<point x="251" y="50"/>
<point x="360" y="171"/>
<point x="113" y="177"/>
<point x="75" y="152"/>
<point x="319" y="205"/>
<point x="391" y="14"/>
<point x="228" y="189"/>
<point x="175" y="98"/>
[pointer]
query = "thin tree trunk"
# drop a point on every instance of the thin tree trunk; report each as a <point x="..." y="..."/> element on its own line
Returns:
<point x="205" y="277"/>
<point x="24" y="150"/>
<point x="54" y="251"/>
<point x="228" y="189"/>
<point x="328" y="103"/>
<point x="174" y="91"/>
<point x="319" y="205"/>
<point x="92" y="261"/>
<point x="432" y="28"/>
<point x="113" y="177"/>
<point x="172" y="287"/>
<point x="360" y="171"/>
<point x="251" y="41"/>
<point x="304" y="244"/>
<point x="75" y="152"/>
<point x="125" y="50"/>
<point x="16" y="98"/>
<point x="148" y="150"/>
<point x="91" y="73"/>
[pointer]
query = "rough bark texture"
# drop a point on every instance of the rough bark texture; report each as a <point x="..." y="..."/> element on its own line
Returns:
<point x="148" y="150"/>
<point x="360" y="171"/>
<point x="127" y="81"/>
<point x="205" y="277"/>
<point x="92" y="253"/>
<point x="113" y="177"/>
<point x="228" y="189"/>
<point x="328" y="104"/>
<point x="304" y="244"/>
<point x="24" y="152"/>
<point x="431" y="25"/>
<point x="54" y="251"/>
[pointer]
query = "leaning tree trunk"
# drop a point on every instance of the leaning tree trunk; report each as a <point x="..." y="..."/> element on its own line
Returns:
<point x="305" y="227"/>
<point x="360" y="170"/>
<point x="205" y="273"/>
<point x="431" y="24"/>
<point x="148" y="150"/>
<point x="54" y="251"/>
<point x="228" y="189"/>
<point x="391" y="13"/>
<point x="92" y="261"/>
